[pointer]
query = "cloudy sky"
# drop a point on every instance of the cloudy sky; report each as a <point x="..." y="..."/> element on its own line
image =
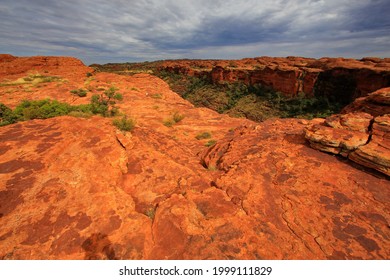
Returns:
<point x="98" y="31"/>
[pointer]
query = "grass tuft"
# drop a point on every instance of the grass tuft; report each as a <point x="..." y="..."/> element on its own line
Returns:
<point x="203" y="135"/>
<point x="210" y="143"/>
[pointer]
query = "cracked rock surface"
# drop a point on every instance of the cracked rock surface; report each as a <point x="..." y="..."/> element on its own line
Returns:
<point x="73" y="188"/>
<point x="362" y="136"/>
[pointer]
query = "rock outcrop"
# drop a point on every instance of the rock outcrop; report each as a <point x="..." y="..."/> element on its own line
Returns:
<point x="74" y="188"/>
<point x="376" y="154"/>
<point x="337" y="78"/>
<point x="375" y="104"/>
<point x="13" y="67"/>
<point x="340" y="134"/>
<point x="66" y="73"/>
<point x="362" y="136"/>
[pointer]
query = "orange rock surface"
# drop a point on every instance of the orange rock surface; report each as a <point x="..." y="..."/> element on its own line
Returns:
<point x="363" y="135"/>
<point x="73" y="188"/>
<point x="376" y="103"/>
<point x="347" y="78"/>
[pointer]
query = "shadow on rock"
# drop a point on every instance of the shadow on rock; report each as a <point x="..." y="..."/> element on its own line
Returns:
<point x="98" y="247"/>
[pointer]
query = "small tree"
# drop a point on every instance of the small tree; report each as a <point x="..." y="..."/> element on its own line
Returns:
<point x="124" y="124"/>
<point x="104" y="103"/>
<point x="79" y="92"/>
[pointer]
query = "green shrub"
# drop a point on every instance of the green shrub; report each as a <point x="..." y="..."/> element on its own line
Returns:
<point x="124" y="124"/>
<point x="6" y="115"/>
<point x="203" y="135"/>
<point x="46" y="108"/>
<point x="168" y="122"/>
<point x="210" y="143"/>
<point x="156" y="96"/>
<point x="79" y="92"/>
<point x="256" y="102"/>
<point x="151" y="212"/>
<point x="105" y="103"/>
<point x="212" y="168"/>
<point x="85" y="108"/>
<point x="177" y="117"/>
<point x="80" y="114"/>
<point x="41" y="109"/>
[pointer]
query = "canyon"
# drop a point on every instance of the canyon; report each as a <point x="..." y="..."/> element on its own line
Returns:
<point x="284" y="188"/>
<point x="339" y="79"/>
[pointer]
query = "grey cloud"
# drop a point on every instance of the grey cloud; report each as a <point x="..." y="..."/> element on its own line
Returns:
<point x="100" y="31"/>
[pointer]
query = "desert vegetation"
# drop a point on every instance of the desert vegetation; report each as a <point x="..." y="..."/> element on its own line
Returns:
<point x="255" y="102"/>
<point x="32" y="79"/>
<point x="39" y="109"/>
<point x="103" y="104"/>
<point x="210" y="143"/>
<point x="124" y="124"/>
<point x="173" y="119"/>
<point x="79" y="92"/>
<point x="203" y="135"/>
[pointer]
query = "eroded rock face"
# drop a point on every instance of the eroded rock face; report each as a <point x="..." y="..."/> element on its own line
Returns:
<point x="340" y="134"/>
<point x="73" y="188"/>
<point x="375" y="104"/>
<point x="339" y="79"/>
<point x="376" y="154"/>
<point x="362" y="136"/>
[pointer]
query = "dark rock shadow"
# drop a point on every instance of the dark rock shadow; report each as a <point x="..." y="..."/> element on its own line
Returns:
<point x="363" y="168"/>
<point x="98" y="247"/>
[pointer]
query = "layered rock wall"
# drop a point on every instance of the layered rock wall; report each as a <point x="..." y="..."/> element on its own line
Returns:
<point x="338" y="79"/>
<point x="362" y="134"/>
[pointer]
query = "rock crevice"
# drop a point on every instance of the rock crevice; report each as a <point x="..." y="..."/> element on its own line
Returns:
<point x="360" y="136"/>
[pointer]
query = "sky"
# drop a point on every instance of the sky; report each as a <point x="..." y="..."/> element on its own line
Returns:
<point x="98" y="31"/>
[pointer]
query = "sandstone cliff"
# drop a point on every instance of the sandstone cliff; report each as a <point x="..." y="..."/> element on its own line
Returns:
<point x="337" y="78"/>
<point x="73" y="188"/>
<point x="362" y="135"/>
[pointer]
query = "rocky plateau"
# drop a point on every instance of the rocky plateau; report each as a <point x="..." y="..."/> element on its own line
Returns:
<point x="78" y="188"/>
<point x="339" y="79"/>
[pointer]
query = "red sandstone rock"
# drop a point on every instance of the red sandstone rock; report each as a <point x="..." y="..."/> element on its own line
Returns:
<point x="6" y="58"/>
<point x="376" y="154"/>
<point x="376" y="103"/>
<point x="352" y="122"/>
<point x="292" y="75"/>
<point x="340" y="134"/>
<point x="67" y="67"/>
<point x="270" y="173"/>
<point x="358" y="136"/>
<point x="74" y="188"/>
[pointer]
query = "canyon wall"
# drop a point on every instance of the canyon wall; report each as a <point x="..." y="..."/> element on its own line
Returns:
<point x="337" y="78"/>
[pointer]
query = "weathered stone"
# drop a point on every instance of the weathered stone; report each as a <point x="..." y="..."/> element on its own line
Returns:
<point x="353" y="121"/>
<point x="357" y="135"/>
<point x="376" y="154"/>
<point x="375" y="104"/>
<point x="74" y="188"/>
<point x="340" y="133"/>
<point x="343" y="79"/>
